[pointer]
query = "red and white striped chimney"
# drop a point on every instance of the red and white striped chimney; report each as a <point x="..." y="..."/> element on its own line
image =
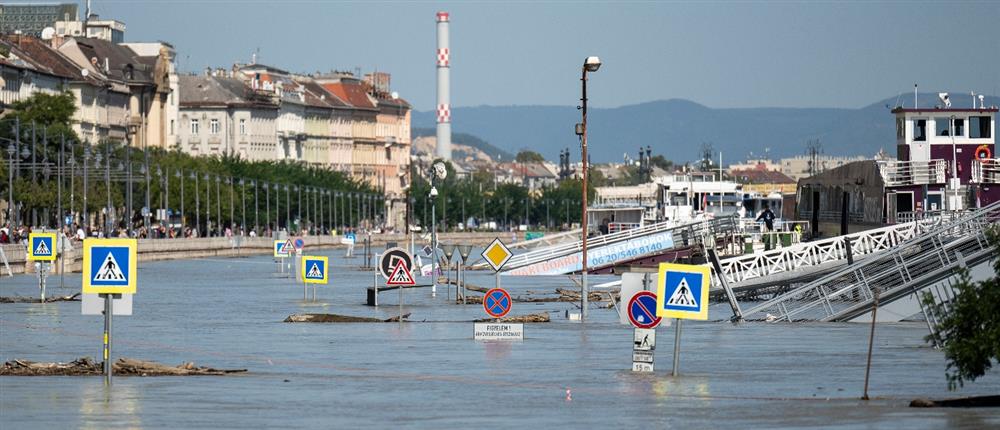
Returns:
<point x="443" y="149"/>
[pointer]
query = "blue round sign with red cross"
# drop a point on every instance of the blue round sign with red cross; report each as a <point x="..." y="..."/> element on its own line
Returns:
<point x="496" y="302"/>
<point x="642" y="310"/>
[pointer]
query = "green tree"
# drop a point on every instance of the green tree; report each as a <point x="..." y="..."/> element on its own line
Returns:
<point x="528" y="156"/>
<point x="968" y="327"/>
<point x="661" y="162"/>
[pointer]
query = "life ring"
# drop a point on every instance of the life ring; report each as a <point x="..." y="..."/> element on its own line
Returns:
<point x="983" y="153"/>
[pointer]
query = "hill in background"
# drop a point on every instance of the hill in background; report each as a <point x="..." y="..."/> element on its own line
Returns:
<point x="677" y="128"/>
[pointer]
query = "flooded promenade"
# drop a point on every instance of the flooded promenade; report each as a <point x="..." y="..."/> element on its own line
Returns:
<point x="430" y="373"/>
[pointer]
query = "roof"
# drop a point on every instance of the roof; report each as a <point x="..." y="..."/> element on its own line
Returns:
<point x="215" y="91"/>
<point x="351" y="91"/>
<point x="120" y="59"/>
<point x="945" y="110"/>
<point x="760" y="176"/>
<point x="317" y="96"/>
<point x="29" y="53"/>
<point x="531" y="170"/>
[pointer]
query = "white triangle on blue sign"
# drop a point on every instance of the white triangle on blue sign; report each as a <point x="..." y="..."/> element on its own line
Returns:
<point x="314" y="271"/>
<point x="110" y="270"/>
<point x="42" y="249"/>
<point x="682" y="296"/>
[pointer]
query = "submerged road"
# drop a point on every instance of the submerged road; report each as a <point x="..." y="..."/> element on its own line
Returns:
<point x="227" y="313"/>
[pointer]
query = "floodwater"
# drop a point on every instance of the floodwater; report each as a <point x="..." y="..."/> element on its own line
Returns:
<point x="227" y="313"/>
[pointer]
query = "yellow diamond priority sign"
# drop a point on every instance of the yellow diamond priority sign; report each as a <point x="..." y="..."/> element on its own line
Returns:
<point x="497" y="254"/>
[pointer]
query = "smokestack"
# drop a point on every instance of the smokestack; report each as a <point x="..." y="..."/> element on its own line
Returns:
<point x="443" y="149"/>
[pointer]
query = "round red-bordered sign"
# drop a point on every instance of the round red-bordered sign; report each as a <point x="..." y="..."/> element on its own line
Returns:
<point x="497" y="303"/>
<point x="642" y="310"/>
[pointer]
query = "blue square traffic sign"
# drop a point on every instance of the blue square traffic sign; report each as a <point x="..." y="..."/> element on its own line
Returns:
<point x="682" y="291"/>
<point x="109" y="266"/>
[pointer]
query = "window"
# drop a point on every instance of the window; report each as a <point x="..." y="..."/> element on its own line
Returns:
<point x="214" y="126"/>
<point x="171" y="127"/>
<point x="919" y="130"/>
<point x="942" y="127"/>
<point x="194" y="126"/>
<point x="900" y="128"/>
<point x="959" y="127"/>
<point x="979" y="127"/>
<point x="243" y="126"/>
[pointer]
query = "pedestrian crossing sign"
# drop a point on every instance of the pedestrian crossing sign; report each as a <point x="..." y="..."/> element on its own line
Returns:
<point x="314" y="270"/>
<point x="109" y="266"/>
<point x="682" y="291"/>
<point x="42" y="246"/>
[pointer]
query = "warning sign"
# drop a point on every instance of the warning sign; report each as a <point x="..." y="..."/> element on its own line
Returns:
<point x="41" y="246"/>
<point x="682" y="291"/>
<point x="315" y="270"/>
<point x="109" y="266"/>
<point x="400" y="276"/>
<point x="281" y="249"/>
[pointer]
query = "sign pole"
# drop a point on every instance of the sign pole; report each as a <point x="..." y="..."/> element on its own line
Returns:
<point x="62" y="262"/>
<point x="108" y="310"/>
<point x="677" y="348"/>
<point x="400" y="305"/>
<point x="42" y="269"/>
<point x="375" y="286"/>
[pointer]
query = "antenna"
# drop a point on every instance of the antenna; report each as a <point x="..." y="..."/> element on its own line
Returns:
<point x="914" y="96"/>
<point x="973" y="94"/>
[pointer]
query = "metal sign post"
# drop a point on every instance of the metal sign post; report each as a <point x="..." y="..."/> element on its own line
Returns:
<point x="108" y="312"/>
<point x="682" y="293"/>
<point x="642" y="314"/>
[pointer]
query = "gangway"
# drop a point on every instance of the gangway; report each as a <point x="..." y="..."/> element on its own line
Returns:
<point x="805" y="261"/>
<point x="625" y="245"/>
<point x="548" y="240"/>
<point x="907" y="268"/>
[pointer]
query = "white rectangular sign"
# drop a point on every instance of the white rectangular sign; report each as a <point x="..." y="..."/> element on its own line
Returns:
<point x="642" y="367"/>
<point x="644" y="339"/>
<point x="642" y="357"/>
<point x="93" y="304"/>
<point x="499" y="331"/>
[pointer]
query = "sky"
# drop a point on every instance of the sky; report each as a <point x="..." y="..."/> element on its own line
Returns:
<point x="720" y="54"/>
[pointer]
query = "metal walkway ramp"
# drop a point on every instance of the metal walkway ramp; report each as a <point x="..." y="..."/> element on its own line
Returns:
<point x="808" y="260"/>
<point x="621" y="246"/>
<point x="847" y="293"/>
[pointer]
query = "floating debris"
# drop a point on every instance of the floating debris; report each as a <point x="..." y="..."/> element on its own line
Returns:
<point x="542" y="317"/>
<point x="335" y="318"/>
<point x="21" y="299"/>
<point x="123" y="367"/>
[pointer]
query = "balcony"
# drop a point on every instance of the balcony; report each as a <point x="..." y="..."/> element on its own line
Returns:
<point x="986" y="171"/>
<point x="902" y="173"/>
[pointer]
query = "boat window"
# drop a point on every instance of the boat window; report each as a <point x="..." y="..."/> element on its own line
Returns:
<point x="959" y="127"/>
<point x="900" y="128"/>
<point x="919" y="130"/>
<point x="942" y="127"/>
<point x="979" y="127"/>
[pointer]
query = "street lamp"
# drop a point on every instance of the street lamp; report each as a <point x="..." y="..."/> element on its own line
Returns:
<point x="591" y="64"/>
<point x="434" y="243"/>
<point x="11" y="149"/>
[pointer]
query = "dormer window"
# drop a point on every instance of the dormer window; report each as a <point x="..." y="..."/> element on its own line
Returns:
<point x="919" y="130"/>
<point x="979" y="127"/>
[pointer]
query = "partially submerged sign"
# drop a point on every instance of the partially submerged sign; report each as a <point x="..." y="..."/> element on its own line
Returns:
<point x="109" y="266"/>
<point x="682" y="291"/>
<point x="642" y="310"/>
<point x="497" y="254"/>
<point x="315" y="270"/>
<point x="497" y="303"/>
<point x="498" y="331"/>
<point x="42" y="246"/>
<point x="400" y="276"/>
<point x="281" y="248"/>
<point x="391" y="258"/>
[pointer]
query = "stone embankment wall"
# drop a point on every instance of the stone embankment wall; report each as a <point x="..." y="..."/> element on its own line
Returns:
<point x="175" y="249"/>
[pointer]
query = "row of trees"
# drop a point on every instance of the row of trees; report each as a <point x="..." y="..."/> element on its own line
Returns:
<point x="481" y="198"/>
<point x="50" y="168"/>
